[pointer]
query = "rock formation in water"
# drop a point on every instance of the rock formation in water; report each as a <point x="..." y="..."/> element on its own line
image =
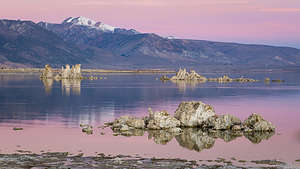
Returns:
<point x="183" y="75"/>
<point x="47" y="72"/>
<point x="70" y="73"/>
<point x="193" y="114"/>
<point x="255" y="122"/>
<point x="65" y="73"/>
<point x="223" y="122"/>
<point x="161" y="120"/>
<point x="227" y="79"/>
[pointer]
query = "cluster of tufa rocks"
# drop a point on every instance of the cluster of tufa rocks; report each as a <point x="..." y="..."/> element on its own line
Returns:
<point x="191" y="115"/>
<point x="64" y="73"/>
<point x="159" y="120"/>
<point x="226" y="79"/>
<point x="183" y="75"/>
<point x="47" y="72"/>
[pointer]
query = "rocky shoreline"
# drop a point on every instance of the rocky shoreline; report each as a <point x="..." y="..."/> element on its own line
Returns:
<point x="64" y="160"/>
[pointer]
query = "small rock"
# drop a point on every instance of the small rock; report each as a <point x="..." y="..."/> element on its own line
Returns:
<point x="83" y="125"/>
<point x="88" y="130"/>
<point x="256" y="122"/>
<point x="17" y="128"/>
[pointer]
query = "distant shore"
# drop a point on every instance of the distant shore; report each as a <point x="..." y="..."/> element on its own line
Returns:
<point x="39" y="70"/>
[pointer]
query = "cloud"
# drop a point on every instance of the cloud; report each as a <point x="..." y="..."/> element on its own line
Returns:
<point x="280" y="10"/>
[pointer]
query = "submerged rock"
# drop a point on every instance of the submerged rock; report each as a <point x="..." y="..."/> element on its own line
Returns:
<point x="255" y="122"/>
<point x="194" y="114"/>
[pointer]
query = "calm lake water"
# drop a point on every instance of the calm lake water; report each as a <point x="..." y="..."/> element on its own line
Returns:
<point x="50" y="113"/>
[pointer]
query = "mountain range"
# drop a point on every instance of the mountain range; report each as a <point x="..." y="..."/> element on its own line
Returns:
<point x="98" y="45"/>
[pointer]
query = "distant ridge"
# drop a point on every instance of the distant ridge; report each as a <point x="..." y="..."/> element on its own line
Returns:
<point x="98" y="45"/>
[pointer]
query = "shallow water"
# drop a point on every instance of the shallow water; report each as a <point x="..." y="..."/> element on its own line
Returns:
<point x="50" y="113"/>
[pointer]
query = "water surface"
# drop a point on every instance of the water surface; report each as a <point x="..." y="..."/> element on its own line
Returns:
<point x="50" y="113"/>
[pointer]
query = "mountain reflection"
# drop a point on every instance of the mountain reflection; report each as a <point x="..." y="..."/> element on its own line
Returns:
<point x="197" y="140"/>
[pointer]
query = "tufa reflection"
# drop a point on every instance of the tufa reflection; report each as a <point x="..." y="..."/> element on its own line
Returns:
<point x="68" y="86"/>
<point x="196" y="139"/>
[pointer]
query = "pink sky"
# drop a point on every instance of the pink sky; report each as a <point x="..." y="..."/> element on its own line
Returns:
<point x="275" y="22"/>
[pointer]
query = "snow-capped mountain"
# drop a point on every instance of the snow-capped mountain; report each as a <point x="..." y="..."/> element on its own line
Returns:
<point x="171" y="37"/>
<point x="83" y="21"/>
<point x="82" y="40"/>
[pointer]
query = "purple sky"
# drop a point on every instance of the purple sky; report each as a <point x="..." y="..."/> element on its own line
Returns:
<point x="274" y="22"/>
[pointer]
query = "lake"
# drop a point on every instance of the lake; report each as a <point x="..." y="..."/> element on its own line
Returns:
<point x="50" y="113"/>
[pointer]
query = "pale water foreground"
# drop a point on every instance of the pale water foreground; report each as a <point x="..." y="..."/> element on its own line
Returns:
<point x="50" y="113"/>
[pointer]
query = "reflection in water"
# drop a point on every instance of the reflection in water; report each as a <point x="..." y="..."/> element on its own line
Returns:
<point x="68" y="85"/>
<point x="198" y="140"/>
<point x="133" y="132"/>
<point x="183" y="85"/>
<point x="48" y="83"/>
<point x="161" y="136"/>
<point x="226" y="136"/>
<point x="257" y="137"/>
<point x="194" y="139"/>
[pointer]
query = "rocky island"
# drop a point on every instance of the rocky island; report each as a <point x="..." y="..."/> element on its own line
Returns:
<point x="193" y="114"/>
<point x="64" y="73"/>
<point x="184" y="75"/>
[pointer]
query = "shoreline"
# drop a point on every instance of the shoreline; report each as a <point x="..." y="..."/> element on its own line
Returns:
<point x="40" y="70"/>
<point x="26" y="159"/>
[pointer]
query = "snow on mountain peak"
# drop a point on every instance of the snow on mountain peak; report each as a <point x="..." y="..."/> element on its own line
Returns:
<point x="90" y="23"/>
